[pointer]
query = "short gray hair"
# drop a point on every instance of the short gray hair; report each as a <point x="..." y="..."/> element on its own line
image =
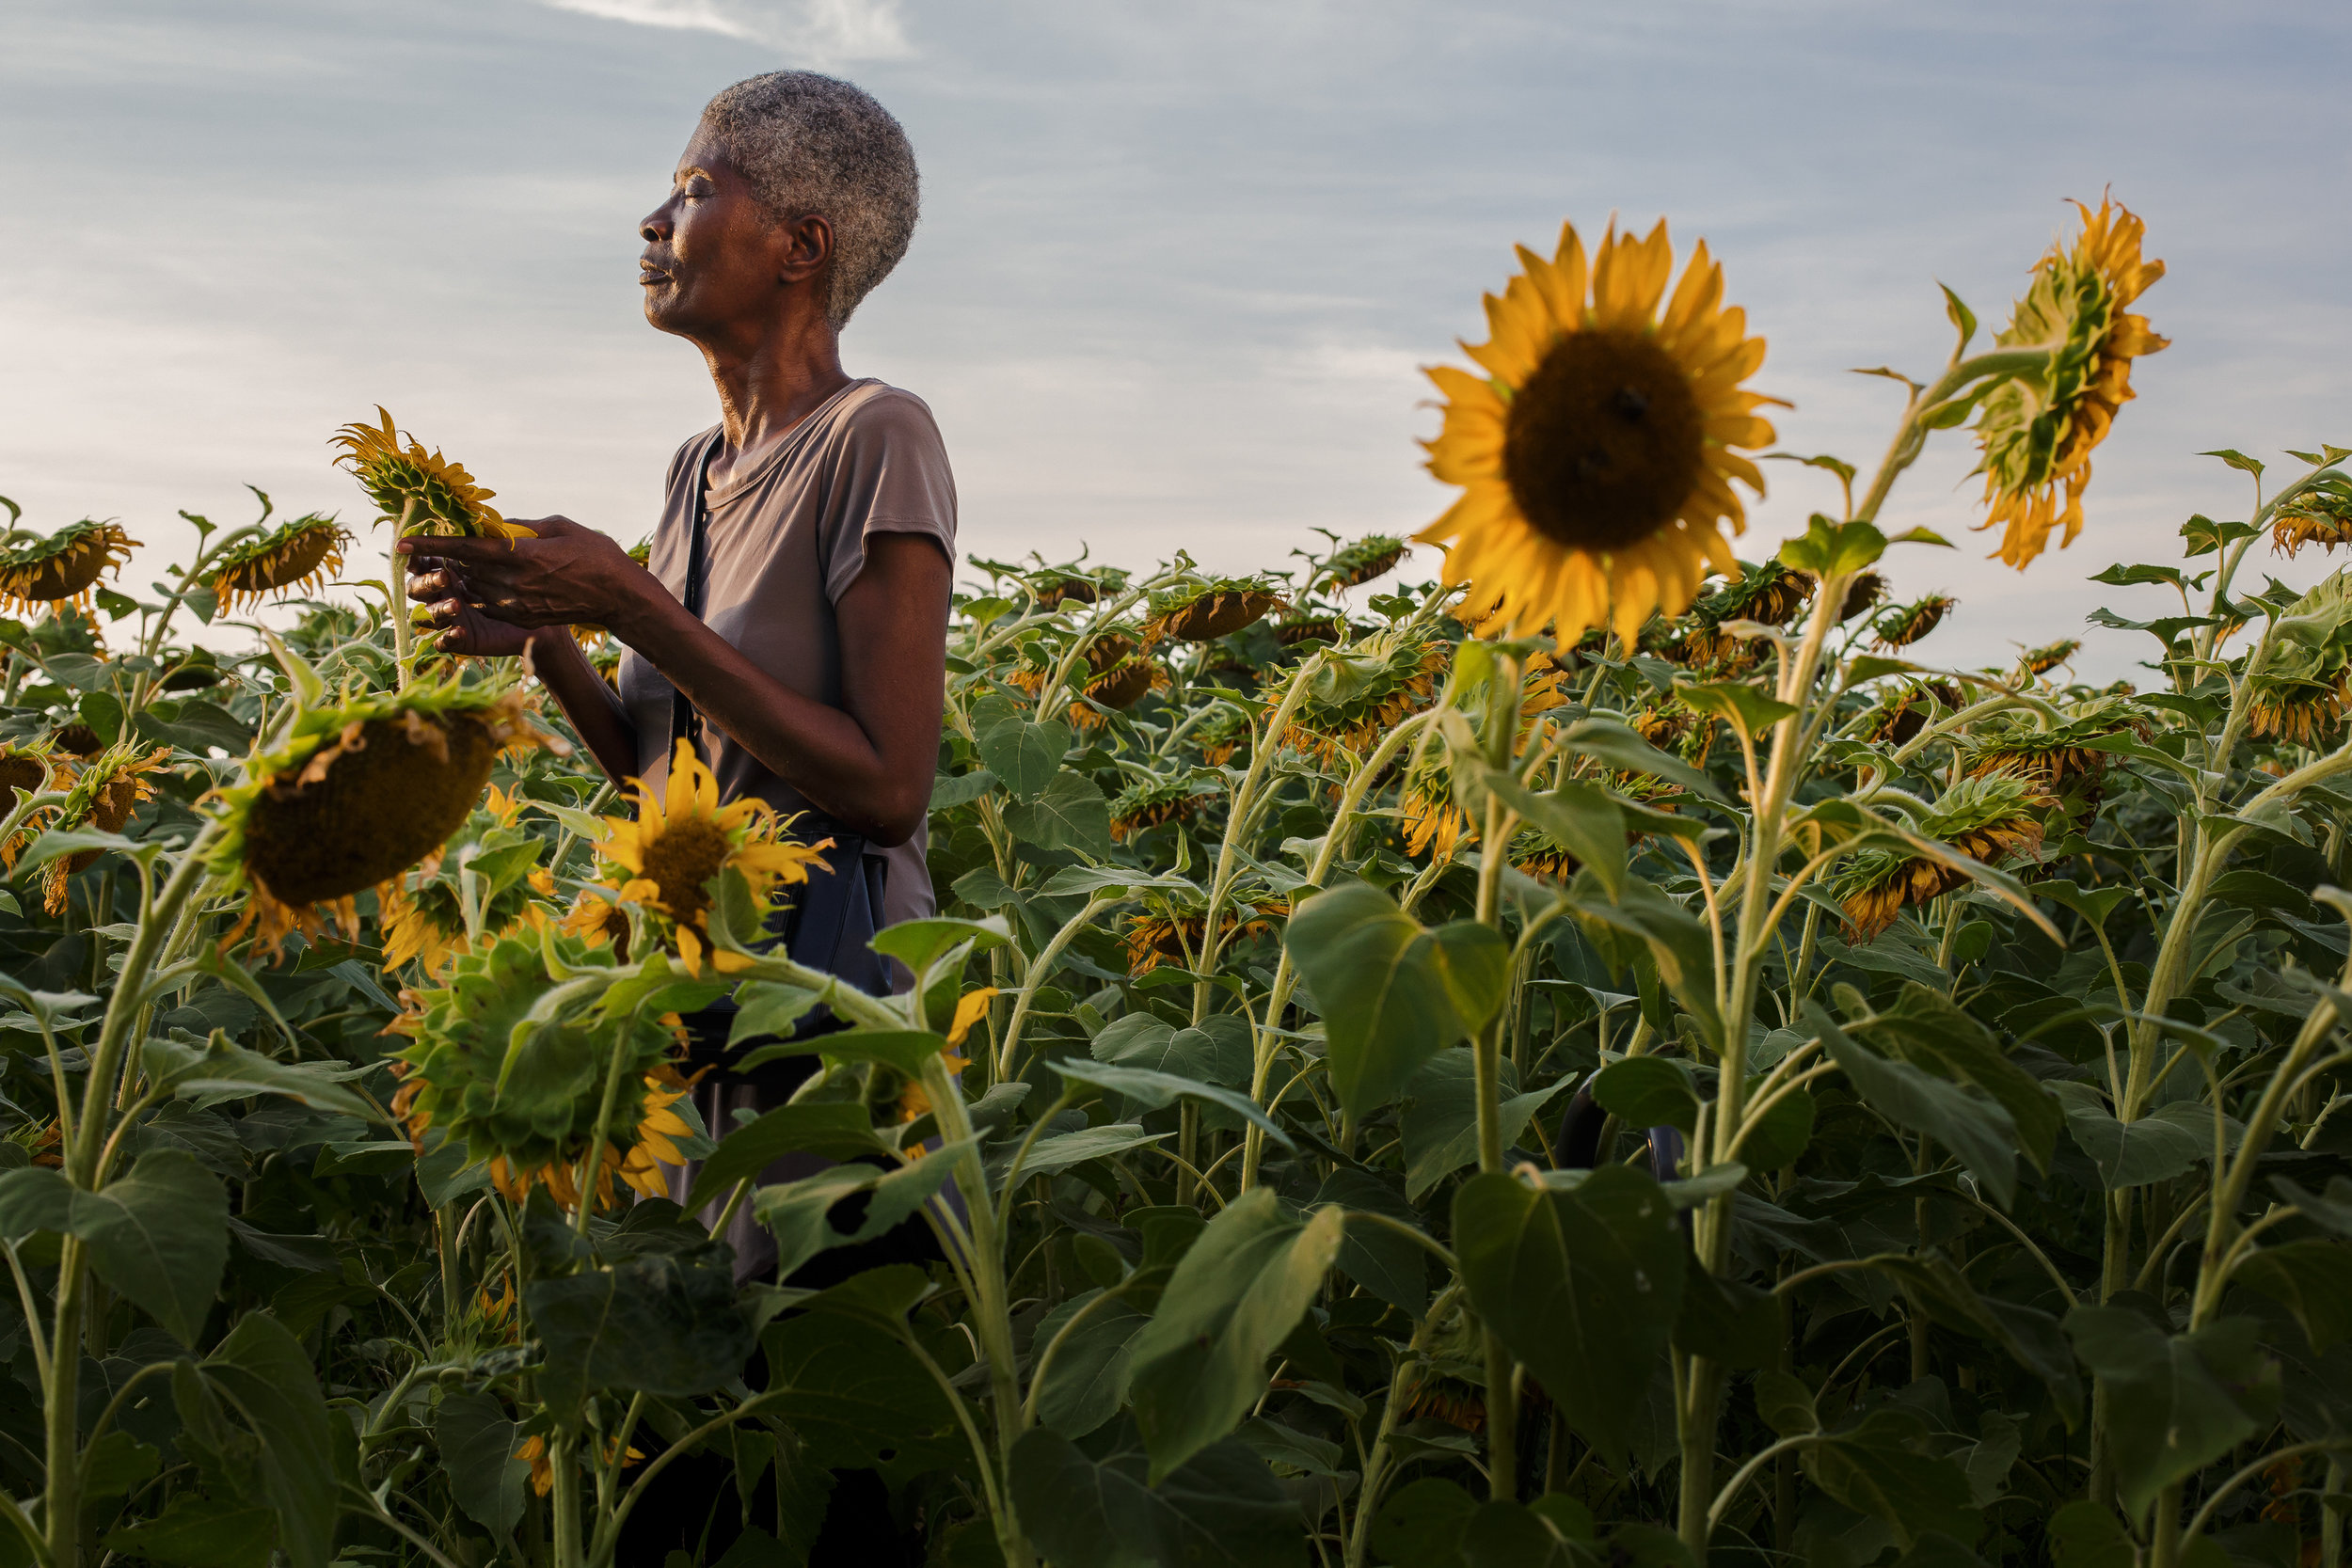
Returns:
<point x="814" y="145"/>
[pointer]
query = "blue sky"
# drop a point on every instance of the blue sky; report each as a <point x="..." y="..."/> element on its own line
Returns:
<point x="1179" y="262"/>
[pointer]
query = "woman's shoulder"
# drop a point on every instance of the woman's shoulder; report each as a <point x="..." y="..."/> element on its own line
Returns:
<point x="682" y="460"/>
<point x="873" y="410"/>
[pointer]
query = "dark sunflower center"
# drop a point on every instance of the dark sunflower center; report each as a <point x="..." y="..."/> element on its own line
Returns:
<point x="688" y="853"/>
<point x="1603" y="444"/>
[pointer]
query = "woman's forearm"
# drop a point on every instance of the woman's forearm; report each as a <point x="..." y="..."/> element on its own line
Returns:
<point x="592" y="705"/>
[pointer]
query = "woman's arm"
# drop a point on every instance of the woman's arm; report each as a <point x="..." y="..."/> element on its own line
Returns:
<point x="867" y="764"/>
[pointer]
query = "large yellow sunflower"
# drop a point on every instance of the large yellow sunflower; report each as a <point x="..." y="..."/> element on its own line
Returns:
<point x="2036" y="432"/>
<point x="1595" y="455"/>
<point x="422" y="491"/>
<point x="680" y="840"/>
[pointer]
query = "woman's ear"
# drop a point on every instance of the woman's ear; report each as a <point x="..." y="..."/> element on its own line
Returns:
<point x="808" y="248"/>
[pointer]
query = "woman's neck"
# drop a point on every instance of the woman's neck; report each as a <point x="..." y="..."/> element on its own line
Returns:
<point x="768" y="385"/>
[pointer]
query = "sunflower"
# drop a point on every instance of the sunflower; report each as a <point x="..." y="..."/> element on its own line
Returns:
<point x="355" y="795"/>
<point x="1988" y="819"/>
<point x="1359" y="694"/>
<point x="1864" y="593"/>
<point x="1312" y="626"/>
<point x="106" y="792"/>
<point x="1206" y="609"/>
<point x="1057" y="588"/>
<point x="1353" y="565"/>
<point x="2301" y="712"/>
<point x="28" y="767"/>
<point x="2054" y="757"/>
<point x="1433" y="822"/>
<point x="1170" y="934"/>
<point x="523" y="1094"/>
<point x="543" y="1465"/>
<point x="424" y="492"/>
<point x="1151" y="804"/>
<point x="1904" y="625"/>
<point x="2036" y="431"/>
<point x="300" y="554"/>
<point x="1597" y="455"/>
<point x="2315" y="517"/>
<point x="681" y="840"/>
<point x="1221" y="735"/>
<point x="2042" y="661"/>
<point x="1900" y="715"/>
<point x="1120" y="674"/>
<point x="1770" y="593"/>
<point x="64" y="567"/>
<point x="424" y="915"/>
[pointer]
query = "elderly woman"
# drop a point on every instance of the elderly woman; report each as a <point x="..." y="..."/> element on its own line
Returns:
<point x="791" y="623"/>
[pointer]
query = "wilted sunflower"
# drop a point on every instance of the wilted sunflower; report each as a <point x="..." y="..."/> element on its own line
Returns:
<point x="302" y="553"/>
<point x="1311" y="626"/>
<point x="1221" y="735"/>
<point x="2313" y="517"/>
<point x="1433" y="822"/>
<point x="522" y="1094"/>
<point x="106" y="792"/>
<point x="2301" y="690"/>
<point x="2042" y="661"/>
<point x="681" y="840"/>
<point x="1988" y="819"/>
<point x="2303" y="712"/>
<point x="1769" y="593"/>
<point x="63" y="567"/>
<point x="2055" y="758"/>
<point x="1864" y="593"/>
<point x="1353" y="565"/>
<point x="1173" y="935"/>
<point x="1597" y="455"/>
<point x="1903" y="713"/>
<point x="422" y="491"/>
<point x="1206" y="609"/>
<point x="26" y="767"/>
<point x="2036" y="431"/>
<point x="1904" y="625"/>
<point x="359" y="792"/>
<point x="1120" y="672"/>
<point x="1356" y="696"/>
<point x="1054" y="588"/>
<point x="1150" y="804"/>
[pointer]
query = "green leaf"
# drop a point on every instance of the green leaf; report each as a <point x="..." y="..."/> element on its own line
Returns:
<point x="443" y="1175"/>
<point x="1220" y="1055"/>
<point x="1441" y="1117"/>
<point x="1392" y="1267"/>
<point x="1649" y="1091"/>
<point x="160" y="1238"/>
<point x="2311" y="1278"/>
<point x="1199" y="1364"/>
<point x="2175" y="1402"/>
<point x="2237" y="459"/>
<point x="1730" y="1322"/>
<point x="2331" y="1210"/>
<point x="905" y="1050"/>
<point x="1831" y="549"/>
<point x="1151" y="1090"/>
<point x="1054" y="1155"/>
<point x="1222" y="1509"/>
<point x="201" y="1533"/>
<point x="837" y="1132"/>
<point x="662" y="1323"/>
<point x="1392" y="991"/>
<point x="1580" y="815"/>
<point x="1608" y="741"/>
<point x="35" y="1197"/>
<point x="920" y="944"/>
<point x="222" y="1069"/>
<point x="850" y="1391"/>
<point x="262" y="1373"/>
<point x="1676" y="941"/>
<point x="1071" y="813"/>
<point x="1960" y="1117"/>
<point x="1868" y="1469"/>
<point x="800" y="1212"/>
<point x="1784" y="1403"/>
<point x="2031" y="1339"/>
<point x="1092" y="1365"/>
<point x="1023" y="757"/>
<point x="961" y="789"/>
<point x="1424" y="1523"/>
<point x="1926" y="1028"/>
<point x="1583" y="1286"/>
<point x="477" y="1444"/>
<point x="2084" y="1534"/>
<point x="2168" y="1142"/>
<point x="2094" y="904"/>
<point x="1962" y="319"/>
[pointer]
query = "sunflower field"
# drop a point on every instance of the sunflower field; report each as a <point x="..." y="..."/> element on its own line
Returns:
<point x="1614" y="1054"/>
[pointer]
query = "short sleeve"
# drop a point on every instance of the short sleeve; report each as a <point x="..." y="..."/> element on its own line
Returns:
<point x="889" y="475"/>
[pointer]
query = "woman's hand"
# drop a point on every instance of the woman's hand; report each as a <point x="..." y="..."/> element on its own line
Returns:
<point x="488" y="597"/>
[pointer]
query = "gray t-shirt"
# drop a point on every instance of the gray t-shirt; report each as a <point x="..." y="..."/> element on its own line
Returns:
<point x="785" y="540"/>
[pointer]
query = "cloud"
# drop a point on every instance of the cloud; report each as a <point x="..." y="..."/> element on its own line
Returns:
<point x="820" y="31"/>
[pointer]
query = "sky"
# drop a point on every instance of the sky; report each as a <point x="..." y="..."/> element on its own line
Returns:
<point x="1180" y="263"/>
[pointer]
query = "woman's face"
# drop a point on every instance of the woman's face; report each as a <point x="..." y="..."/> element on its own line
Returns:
<point x="714" y="259"/>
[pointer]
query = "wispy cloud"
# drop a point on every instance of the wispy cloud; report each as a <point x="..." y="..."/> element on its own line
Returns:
<point x="820" y="31"/>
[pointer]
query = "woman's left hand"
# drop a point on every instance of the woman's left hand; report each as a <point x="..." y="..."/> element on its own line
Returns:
<point x="565" y="575"/>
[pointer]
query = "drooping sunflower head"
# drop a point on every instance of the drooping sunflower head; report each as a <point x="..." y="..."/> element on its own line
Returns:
<point x="1206" y="609"/>
<point x="2322" y="517"/>
<point x="1597" y="455"/>
<point x="422" y="491"/>
<point x="1150" y="804"/>
<point x="2035" y="431"/>
<point x="1772" y="594"/>
<point x="1172" y="930"/>
<point x="522" y="1094"/>
<point x="1899" y="714"/>
<point x="1221" y="735"/>
<point x="1362" y="691"/>
<point x="64" y="567"/>
<point x="2042" y="661"/>
<point x="357" y="793"/>
<point x="1354" y="564"/>
<point x="1988" y="819"/>
<point x="482" y="878"/>
<point x="1904" y="625"/>
<point x="106" y="792"/>
<point x="2057" y="759"/>
<point x="681" y="840"/>
<point x="1863" y="595"/>
<point x="303" y="554"/>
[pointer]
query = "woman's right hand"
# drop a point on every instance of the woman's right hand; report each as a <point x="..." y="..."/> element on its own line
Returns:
<point x="454" y="625"/>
